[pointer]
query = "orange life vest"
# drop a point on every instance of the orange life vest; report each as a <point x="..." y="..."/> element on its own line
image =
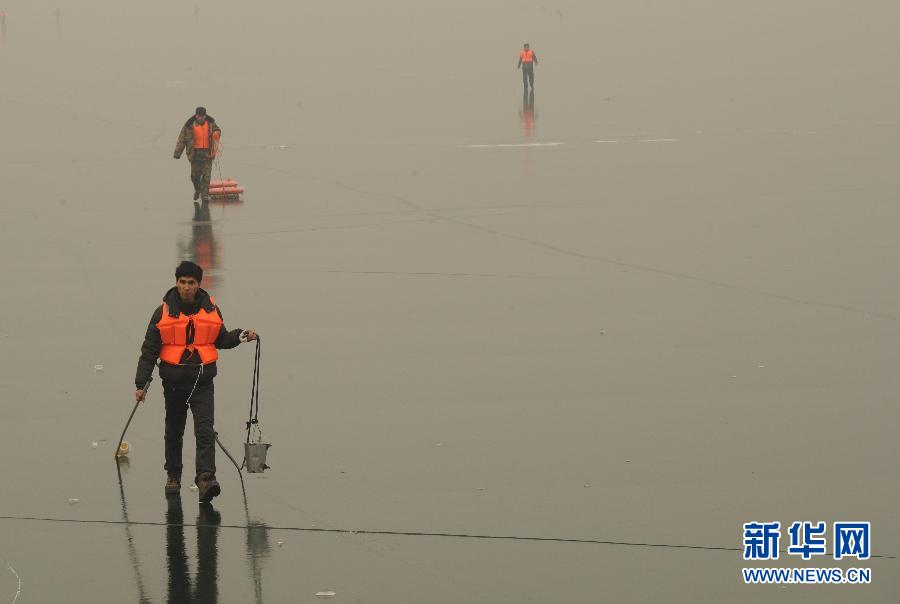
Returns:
<point x="201" y="135"/>
<point x="173" y="332"/>
<point x="527" y="56"/>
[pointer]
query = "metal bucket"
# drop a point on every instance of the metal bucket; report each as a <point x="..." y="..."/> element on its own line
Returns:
<point x="255" y="457"/>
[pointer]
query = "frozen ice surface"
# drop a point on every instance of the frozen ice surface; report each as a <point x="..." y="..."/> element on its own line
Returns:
<point x="464" y="291"/>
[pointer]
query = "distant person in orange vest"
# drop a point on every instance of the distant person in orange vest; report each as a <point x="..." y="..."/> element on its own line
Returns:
<point x="527" y="61"/>
<point x="200" y="136"/>
<point x="185" y="334"/>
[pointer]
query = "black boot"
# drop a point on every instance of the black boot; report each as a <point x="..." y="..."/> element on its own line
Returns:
<point x="207" y="487"/>
<point x="173" y="485"/>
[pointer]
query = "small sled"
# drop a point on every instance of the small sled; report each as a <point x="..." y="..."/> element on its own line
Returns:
<point x="225" y="190"/>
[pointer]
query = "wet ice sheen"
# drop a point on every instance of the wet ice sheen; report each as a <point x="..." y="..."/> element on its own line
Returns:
<point x="700" y="254"/>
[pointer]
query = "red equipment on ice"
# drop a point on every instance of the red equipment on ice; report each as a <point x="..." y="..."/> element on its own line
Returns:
<point x="225" y="189"/>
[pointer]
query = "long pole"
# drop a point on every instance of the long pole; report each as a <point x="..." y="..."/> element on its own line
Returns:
<point x="128" y="423"/>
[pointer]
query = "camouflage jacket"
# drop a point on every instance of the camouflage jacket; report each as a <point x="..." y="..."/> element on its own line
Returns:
<point x="186" y="137"/>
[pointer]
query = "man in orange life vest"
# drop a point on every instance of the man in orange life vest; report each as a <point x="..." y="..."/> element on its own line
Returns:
<point x="527" y="61"/>
<point x="185" y="333"/>
<point x="200" y="136"/>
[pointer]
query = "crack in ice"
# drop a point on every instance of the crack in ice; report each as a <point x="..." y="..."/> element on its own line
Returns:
<point x="19" y="579"/>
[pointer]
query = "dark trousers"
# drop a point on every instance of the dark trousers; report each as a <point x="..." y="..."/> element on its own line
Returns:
<point x="201" y="172"/>
<point x="202" y="406"/>
<point x="527" y="75"/>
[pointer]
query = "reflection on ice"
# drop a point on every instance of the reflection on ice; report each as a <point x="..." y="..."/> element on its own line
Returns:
<point x="203" y="584"/>
<point x="204" y="587"/>
<point x="121" y="465"/>
<point x="202" y="248"/>
<point x="526" y="114"/>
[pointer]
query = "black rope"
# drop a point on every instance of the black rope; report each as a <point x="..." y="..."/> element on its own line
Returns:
<point x="535" y="539"/>
<point x="254" y="414"/>
<point x="254" y="390"/>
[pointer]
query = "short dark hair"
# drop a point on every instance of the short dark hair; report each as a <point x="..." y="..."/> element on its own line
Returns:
<point x="200" y="111"/>
<point x="189" y="269"/>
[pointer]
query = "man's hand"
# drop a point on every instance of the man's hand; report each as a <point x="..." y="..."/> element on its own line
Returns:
<point x="248" y="336"/>
<point x="176" y="156"/>
<point x="139" y="395"/>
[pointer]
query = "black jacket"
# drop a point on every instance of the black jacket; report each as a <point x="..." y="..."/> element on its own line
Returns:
<point x="185" y="373"/>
